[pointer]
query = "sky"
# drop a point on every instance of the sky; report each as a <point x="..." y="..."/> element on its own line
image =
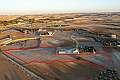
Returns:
<point x="57" y="6"/>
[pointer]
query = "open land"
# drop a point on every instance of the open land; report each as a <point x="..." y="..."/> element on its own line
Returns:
<point x="71" y="46"/>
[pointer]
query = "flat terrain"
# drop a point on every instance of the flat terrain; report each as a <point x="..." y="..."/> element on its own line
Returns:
<point x="34" y="42"/>
<point x="9" y="71"/>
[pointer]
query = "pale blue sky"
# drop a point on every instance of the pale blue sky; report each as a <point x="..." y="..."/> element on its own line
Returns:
<point x="59" y="6"/>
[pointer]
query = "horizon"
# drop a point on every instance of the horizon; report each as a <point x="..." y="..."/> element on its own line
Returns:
<point x="47" y="13"/>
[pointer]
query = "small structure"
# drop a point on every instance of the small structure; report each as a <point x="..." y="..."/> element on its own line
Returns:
<point x="67" y="50"/>
<point x="114" y="36"/>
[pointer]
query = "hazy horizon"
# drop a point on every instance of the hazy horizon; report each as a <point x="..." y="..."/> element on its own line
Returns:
<point x="24" y="7"/>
